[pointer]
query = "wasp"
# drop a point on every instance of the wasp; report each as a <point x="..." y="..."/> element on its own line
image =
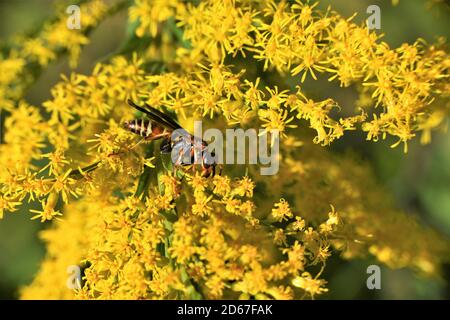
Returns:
<point x="183" y="146"/>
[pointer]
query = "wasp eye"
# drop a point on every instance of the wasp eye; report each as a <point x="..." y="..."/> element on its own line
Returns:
<point x="126" y="124"/>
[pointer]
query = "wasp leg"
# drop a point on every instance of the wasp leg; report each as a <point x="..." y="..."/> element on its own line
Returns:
<point x="156" y="137"/>
<point x="129" y="149"/>
<point x="178" y="162"/>
<point x="206" y="170"/>
<point x="150" y="138"/>
<point x="138" y="143"/>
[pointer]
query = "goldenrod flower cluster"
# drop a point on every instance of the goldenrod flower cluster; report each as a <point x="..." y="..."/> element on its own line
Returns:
<point x="139" y="231"/>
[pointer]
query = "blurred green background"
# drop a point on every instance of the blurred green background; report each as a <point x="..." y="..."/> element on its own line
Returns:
<point x="419" y="181"/>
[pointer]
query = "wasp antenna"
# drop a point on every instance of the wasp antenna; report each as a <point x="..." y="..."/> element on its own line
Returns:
<point x="134" y="105"/>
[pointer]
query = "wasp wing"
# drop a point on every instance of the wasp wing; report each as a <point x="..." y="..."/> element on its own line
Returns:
<point x="164" y="116"/>
<point x="156" y="115"/>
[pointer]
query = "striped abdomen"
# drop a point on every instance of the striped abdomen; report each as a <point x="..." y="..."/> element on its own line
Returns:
<point x="146" y="128"/>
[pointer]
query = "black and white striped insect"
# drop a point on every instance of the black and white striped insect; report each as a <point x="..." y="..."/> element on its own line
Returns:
<point x="184" y="147"/>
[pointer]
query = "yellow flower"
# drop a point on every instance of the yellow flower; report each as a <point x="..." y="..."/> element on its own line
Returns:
<point x="38" y="51"/>
<point x="311" y="286"/>
<point x="282" y="211"/>
<point x="150" y="13"/>
<point x="11" y="68"/>
<point x="63" y="184"/>
<point x="7" y="205"/>
<point x="298" y="224"/>
<point x="201" y="206"/>
<point x="48" y="206"/>
<point x="149" y="162"/>
<point x="222" y="185"/>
